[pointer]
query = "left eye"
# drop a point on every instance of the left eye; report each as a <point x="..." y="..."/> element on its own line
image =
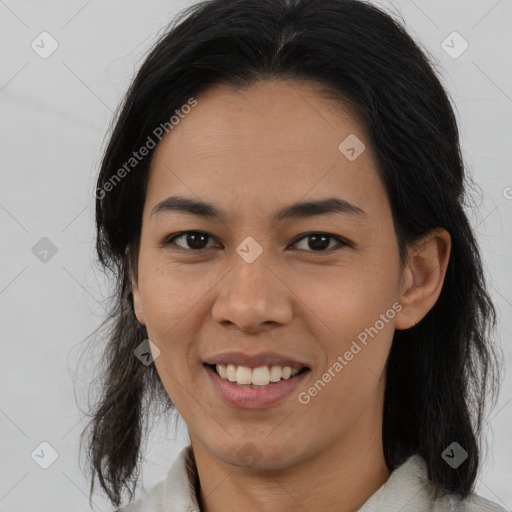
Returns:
<point x="320" y="241"/>
<point x="196" y="240"/>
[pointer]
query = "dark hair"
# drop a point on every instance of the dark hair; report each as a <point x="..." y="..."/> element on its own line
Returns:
<point x="440" y="371"/>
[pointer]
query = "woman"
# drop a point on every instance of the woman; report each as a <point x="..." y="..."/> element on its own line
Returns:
<point x="281" y="203"/>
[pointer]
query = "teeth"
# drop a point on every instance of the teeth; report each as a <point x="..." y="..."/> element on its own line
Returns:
<point x="231" y="372"/>
<point x="243" y="375"/>
<point x="260" y="376"/>
<point x="222" y="371"/>
<point x="275" y="373"/>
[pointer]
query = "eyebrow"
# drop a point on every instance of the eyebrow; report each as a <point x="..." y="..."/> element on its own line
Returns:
<point x="328" y="206"/>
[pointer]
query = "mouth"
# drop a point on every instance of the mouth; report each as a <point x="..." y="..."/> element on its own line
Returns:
<point x="260" y="377"/>
<point x="244" y="387"/>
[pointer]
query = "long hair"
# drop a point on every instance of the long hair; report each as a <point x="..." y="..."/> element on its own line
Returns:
<point x="439" y="372"/>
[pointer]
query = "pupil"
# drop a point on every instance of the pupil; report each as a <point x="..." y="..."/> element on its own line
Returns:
<point x="192" y="240"/>
<point x="316" y="245"/>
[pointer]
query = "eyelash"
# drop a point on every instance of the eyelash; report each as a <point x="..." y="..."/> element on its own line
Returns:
<point x="342" y="242"/>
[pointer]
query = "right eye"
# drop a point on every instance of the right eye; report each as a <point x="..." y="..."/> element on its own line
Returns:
<point x="194" y="239"/>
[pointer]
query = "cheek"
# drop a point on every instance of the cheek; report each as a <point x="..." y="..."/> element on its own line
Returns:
<point x="355" y="365"/>
<point x="348" y="300"/>
<point x="169" y="294"/>
<point x="168" y="311"/>
<point x="353" y="318"/>
<point x="175" y="302"/>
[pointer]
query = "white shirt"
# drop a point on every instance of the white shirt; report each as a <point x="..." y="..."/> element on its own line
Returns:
<point x="408" y="489"/>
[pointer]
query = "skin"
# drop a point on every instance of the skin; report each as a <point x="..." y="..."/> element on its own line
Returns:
<point x="250" y="153"/>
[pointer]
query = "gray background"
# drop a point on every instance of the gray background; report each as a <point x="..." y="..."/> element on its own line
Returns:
<point x="54" y="116"/>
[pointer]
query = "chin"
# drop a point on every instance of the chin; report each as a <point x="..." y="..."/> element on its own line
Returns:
<point x="259" y="454"/>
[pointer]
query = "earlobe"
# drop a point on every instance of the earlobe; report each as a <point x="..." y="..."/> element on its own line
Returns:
<point x="423" y="277"/>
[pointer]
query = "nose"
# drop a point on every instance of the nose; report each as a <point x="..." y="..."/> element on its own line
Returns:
<point x="252" y="297"/>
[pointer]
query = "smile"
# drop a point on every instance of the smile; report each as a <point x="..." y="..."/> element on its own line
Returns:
<point x="261" y="376"/>
<point x="254" y="388"/>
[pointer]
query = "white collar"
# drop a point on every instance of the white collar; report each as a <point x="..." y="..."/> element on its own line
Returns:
<point x="408" y="489"/>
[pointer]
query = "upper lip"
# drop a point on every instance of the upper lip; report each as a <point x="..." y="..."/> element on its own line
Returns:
<point x="254" y="360"/>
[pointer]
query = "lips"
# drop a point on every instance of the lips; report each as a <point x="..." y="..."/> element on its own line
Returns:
<point x="254" y="360"/>
<point x="254" y="397"/>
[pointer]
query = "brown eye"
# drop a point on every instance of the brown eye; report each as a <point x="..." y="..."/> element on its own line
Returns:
<point x="319" y="242"/>
<point x="196" y="240"/>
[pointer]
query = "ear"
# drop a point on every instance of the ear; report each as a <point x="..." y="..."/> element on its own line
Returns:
<point x="423" y="277"/>
<point x="137" y="302"/>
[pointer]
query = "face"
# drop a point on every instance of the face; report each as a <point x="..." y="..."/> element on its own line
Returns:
<point x="309" y="289"/>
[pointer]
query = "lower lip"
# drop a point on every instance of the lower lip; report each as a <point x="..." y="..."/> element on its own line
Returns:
<point x="254" y="398"/>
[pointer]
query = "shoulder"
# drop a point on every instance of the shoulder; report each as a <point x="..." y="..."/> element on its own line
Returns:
<point x="175" y="493"/>
<point x="473" y="503"/>
<point x="135" y="506"/>
<point x="450" y="502"/>
<point x="152" y="501"/>
<point x="409" y="489"/>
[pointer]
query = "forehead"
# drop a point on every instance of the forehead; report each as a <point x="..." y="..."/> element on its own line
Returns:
<point x="273" y="114"/>
<point x="270" y="140"/>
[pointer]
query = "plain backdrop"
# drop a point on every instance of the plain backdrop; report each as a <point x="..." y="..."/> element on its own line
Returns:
<point x="55" y="112"/>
